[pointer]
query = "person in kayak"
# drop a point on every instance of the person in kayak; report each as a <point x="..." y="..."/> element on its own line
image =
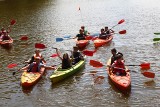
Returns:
<point x="118" y="66"/>
<point x="76" y="55"/>
<point x="37" y="54"/>
<point x="85" y="32"/>
<point x="66" y="61"/>
<point x="81" y="35"/>
<point x="108" y="31"/>
<point x="102" y="34"/>
<point x="36" y="66"/>
<point x="5" y="33"/>
<point x="114" y="54"/>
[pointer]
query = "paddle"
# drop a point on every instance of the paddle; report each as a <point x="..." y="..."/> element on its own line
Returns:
<point x="158" y="33"/>
<point x="88" y="52"/>
<point x="54" y="55"/>
<point x="23" y="38"/>
<point x="68" y="38"/>
<point x="120" y="22"/>
<point x="99" y="64"/>
<point x="12" y="65"/>
<point x="12" y="22"/>
<point x="156" y="39"/>
<point x="120" y="32"/>
<point x="40" y="46"/>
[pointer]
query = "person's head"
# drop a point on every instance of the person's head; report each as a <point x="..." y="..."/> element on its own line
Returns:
<point x="3" y="29"/>
<point x="65" y="56"/>
<point x="82" y="27"/>
<point x="81" y="31"/>
<point x="37" y="51"/>
<point x="113" y="51"/>
<point x="37" y="59"/>
<point x="75" y="48"/>
<point x="102" y="30"/>
<point x="119" y="57"/>
<point x="106" y="28"/>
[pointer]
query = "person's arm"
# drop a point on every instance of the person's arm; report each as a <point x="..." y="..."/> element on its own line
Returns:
<point x="58" y="54"/>
<point x="9" y="29"/>
<point x="24" y="68"/>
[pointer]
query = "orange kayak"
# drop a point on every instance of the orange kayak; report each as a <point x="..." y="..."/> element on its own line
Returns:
<point x="122" y="83"/>
<point x="100" y="42"/>
<point x="82" y="43"/>
<point x="6" y="42"/>
<point x="28" y="79"/>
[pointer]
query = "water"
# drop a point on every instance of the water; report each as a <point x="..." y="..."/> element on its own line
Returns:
<point x="43" y="21"/>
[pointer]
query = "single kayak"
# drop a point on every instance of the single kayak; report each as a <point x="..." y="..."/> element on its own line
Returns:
<point x="100" y="42"/>
<point x="122" y="83"/>
<point x="28" y="79"/>
<point x="60" y="74"/>
<point x="6" y="42"/>
<point x="82" y="43"/>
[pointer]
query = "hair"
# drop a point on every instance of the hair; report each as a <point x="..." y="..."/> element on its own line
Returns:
<point x="118" y="56"/>
<point x="75" y="47"/>
<point x="66" y="55"/>
<point x="114" y="50"/>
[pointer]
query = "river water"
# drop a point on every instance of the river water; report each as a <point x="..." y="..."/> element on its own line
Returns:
<point x="45" y="20"/>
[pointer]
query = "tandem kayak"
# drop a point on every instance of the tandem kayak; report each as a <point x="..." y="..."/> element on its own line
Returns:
<point x="100" y="42"/>
<point x="28" y="79"/>
<point x="122" y="83"/>
<point x="60" y="74"/>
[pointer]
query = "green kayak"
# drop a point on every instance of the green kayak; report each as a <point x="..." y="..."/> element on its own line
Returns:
<point x="60" y="74"/>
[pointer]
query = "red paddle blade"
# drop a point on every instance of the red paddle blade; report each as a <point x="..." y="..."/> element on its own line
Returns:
<point x="121" y="21"/>
<point x="12" y="65"/>
<point x="122" y="32"/>
<point x="88" y="37"/>
<point x="145" y="66"/>
<point x="88" y="53"/>
<point x="149" y="74"/>
<point x="96" y="63"/>
<point x="54" y="55"/>
<point x="24" y="38"/>
<point x="40" y="46"/>
<point x="13" y="22"/>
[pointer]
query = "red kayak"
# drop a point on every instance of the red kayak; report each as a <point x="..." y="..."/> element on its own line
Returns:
<point x="122" y="83"/>
<point x="100" y="42"/>
<point x="82" y="43"/>
<point x="28" y="79"/>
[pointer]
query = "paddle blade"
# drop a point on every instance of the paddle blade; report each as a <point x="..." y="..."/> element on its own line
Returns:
<point x="88" y="53"/>
<point x="67" y="36"/>
<point x="88" y="37"/>
<point x="122" y="32"/>
<point x="96" y="63"/>
<point x="24" y="38"/>
<point x="157" y="33"/>
<point x="156" y="39"/>
<point x="40" y="46"/>
<point x="54" y="55"/>
<point x="12" y="65"/>
<point x="59" y="39"/>
<point x="145" y="66"/>
<point x="12" y="22"/>
<point x="148" y="74"/>
<point x="121" y="21"/>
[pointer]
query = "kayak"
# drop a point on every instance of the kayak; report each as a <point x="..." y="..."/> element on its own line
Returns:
<point x="6" y="42"/>
<point x="60" y="74"/>
<point x="28" y="79"/>
<point x="122" y="83"/>
<point x="100" y="42"/>
<point x="82" y="43"/>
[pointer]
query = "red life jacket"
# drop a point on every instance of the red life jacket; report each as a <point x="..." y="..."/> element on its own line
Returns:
<point x="119" y="65"/>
